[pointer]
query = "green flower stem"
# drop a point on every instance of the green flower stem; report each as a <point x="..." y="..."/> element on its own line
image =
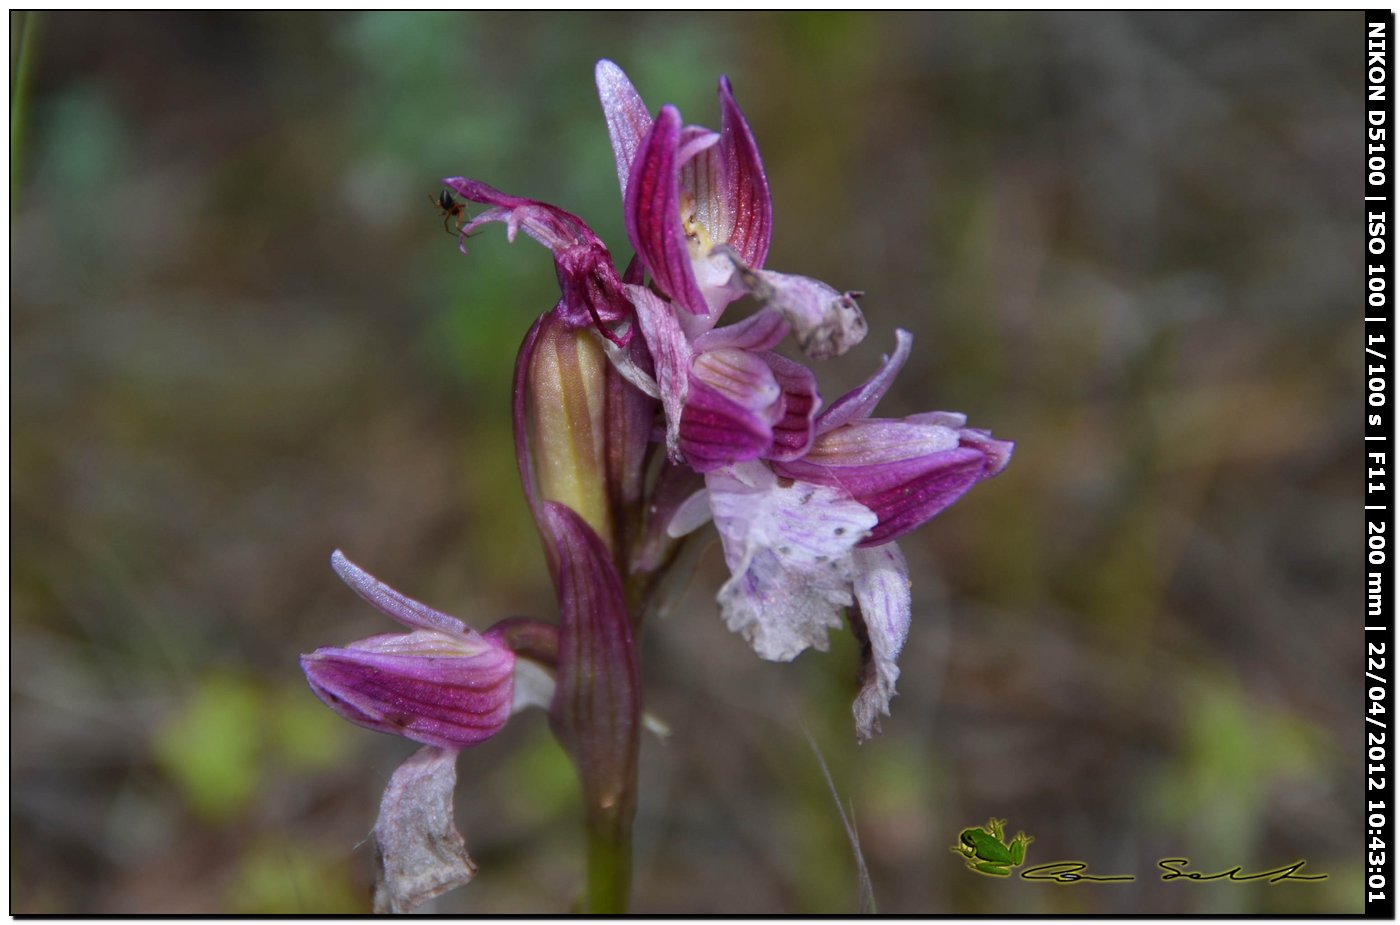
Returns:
<point x="609" y="862"/>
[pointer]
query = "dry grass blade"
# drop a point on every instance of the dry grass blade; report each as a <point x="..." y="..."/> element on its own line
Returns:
<point x="865" y="889"/>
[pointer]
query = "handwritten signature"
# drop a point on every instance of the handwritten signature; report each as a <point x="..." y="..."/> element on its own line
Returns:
<point x="1175" y="869"/>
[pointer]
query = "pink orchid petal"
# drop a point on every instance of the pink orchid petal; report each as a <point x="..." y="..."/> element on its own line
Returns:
<point x="627" y="116"/>
<point x="998" y="452"/>
<point x="951" y="419"/>
<point x="393" y="604"/>
<point x="694" y="140"/>
<point x="690" y="515"/>
<point x="825" y="323"/>
<point x="907" y="495"/>
<point x="793" y="431"/>
<point x="591" y="289"/>
<point x="596" y="710"/>
<point x="439" y="691"/>
<point x="763" y="330"/>
<point x="749" y="204"/>
<point x="876" y="442"/>
<point x="905" y="471"/>
<point x="715" y="430"/>
<point x="743" y="377"/>
<point x="702" y="180"/>
<point x="671" y="357"/>
<point x="553" y="227"/>
<point x="653" y="212"/>
<point x="860" y="402"/>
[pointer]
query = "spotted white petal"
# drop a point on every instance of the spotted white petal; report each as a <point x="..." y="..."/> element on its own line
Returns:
<point x="788" y="548"/>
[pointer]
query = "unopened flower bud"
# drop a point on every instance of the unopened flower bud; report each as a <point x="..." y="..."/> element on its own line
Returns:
<point x="561" y="421"/>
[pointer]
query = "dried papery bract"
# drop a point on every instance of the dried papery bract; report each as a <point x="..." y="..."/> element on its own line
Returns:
<point x="418" y="850"/>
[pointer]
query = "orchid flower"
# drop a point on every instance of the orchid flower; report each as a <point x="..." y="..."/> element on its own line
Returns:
<point x="807" y="538"/>
<point x="700" y="217"/>
<point x="699" y="214"/>
<point x="727" y="397"/>
<point x="905" y="471"/>
<point x="443" y="685"/>
<point x="449" y="687"/>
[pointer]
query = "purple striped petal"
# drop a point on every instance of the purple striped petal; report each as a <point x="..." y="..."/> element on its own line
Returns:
<point x="998" y="451"/>
<point x="904" y="471"/>
<point x="860" y="402"/>
<point x="716" y="431"/>
<point x="876" y="442"/>
<point x="745" y="189"/>
<point x="907" y="495"/>
<point x="793" y="431"/>
<point x="553" y="227"/>
<point x="596" y="710"/>
<point x="653" y="212"/>
<point x="694" y="141"/>
<point x="429" y="687"/>
<point x="392" y="604"/>
<point x="763" y="330"/>
<point x="702" y="187"/>
<point x="627" y="116"/>
<point x="882" y="622"/>
<point x="671" y="356"/>
<point x="630" y="416"/>
<point x="592" y="291"/>
<point x="520" y="401"/>
<point x="704" y="208"/>
<point x="787" y="545"/>
<point x="738" y="375"/>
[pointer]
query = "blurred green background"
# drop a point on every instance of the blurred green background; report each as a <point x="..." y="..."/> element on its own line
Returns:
<point x="240" y="339"/>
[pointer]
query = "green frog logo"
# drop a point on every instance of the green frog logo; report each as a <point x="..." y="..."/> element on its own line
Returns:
<point x="988" y="852"/>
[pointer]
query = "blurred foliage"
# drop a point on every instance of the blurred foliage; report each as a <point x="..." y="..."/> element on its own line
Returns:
<point x="240" y="339"/>
<point x="211" y="746"/>
<point x="274" y="878"/>
<point x="230" y="733"/>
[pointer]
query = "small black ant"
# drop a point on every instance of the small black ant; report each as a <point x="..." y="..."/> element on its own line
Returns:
<point x="451" y="208"/>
